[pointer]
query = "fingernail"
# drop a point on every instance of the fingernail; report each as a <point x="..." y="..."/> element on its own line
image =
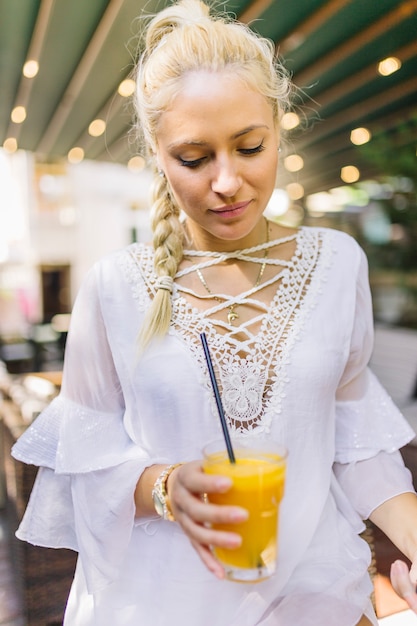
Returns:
<point x="234" y="541"/>
<point x="223" y="483"/>
<point x="239" y="515"/>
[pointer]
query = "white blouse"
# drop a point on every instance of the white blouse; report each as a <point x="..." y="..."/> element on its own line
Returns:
<point x="301" y="380"/>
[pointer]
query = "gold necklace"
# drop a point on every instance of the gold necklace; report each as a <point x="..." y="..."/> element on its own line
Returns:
<point x="232" y="315"/>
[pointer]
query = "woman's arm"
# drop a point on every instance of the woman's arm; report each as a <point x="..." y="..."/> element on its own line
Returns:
<point x="397" y="518"/>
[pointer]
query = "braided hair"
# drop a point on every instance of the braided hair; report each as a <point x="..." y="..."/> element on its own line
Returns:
<point x="182" y="38"/>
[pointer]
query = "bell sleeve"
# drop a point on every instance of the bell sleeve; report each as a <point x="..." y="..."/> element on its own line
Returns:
<point x="83" y="497"/>
<point x="369" y="427"/>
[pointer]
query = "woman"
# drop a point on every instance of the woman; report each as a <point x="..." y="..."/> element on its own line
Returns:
<point x="287" y="315"/>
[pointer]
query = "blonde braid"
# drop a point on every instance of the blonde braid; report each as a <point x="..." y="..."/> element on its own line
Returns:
<point x="181" y="38"/>
<point x="168" y="244"/>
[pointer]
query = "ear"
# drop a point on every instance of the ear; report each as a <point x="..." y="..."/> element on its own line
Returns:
<point x="154" y="158"/>
<point x="158" y="165"/>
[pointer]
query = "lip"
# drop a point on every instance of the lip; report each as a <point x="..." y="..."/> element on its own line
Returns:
<point x="231" y="210"/>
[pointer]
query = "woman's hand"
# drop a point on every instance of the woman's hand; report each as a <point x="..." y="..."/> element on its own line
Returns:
<point x="404" y="582"/>
<point x="186" y="488"/>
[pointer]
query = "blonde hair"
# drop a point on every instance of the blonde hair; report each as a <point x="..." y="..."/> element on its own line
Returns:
<point x="183" y="38"/>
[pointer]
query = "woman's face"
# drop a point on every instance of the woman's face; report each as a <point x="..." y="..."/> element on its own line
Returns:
<point x="218" y="148"/>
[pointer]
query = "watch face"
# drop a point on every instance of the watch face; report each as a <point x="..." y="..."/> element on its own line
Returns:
<point x="159" y="506"/>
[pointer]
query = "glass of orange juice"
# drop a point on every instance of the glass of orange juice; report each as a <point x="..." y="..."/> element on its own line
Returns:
<point x="258" y="486"/>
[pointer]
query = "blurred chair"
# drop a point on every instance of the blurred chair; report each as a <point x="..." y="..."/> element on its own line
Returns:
<point x="43" y="575"/>
<point x="18" y="354"/>
<point x="47" y="347"/>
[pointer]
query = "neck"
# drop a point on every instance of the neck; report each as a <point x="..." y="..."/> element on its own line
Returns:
<point x="200" y="240"/>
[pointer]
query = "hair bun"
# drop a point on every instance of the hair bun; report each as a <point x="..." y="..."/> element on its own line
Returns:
<point x="175" y="16"/>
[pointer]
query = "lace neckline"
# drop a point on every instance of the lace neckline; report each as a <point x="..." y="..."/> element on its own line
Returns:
<point x="239" y="255"/>
<point x="251" y="369"/>
<point x="222" y="301"/>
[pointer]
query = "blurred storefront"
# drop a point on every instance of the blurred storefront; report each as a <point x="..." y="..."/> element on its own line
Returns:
<point x="56" y="220"/>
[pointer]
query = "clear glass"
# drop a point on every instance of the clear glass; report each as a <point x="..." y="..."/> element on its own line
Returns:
<point x="258" y="485"/>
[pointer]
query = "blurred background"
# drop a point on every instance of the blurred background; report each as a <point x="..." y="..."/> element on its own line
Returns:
<point x="74" y="184"/>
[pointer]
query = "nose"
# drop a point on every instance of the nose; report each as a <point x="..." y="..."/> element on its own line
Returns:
<point x="226" y="180"/>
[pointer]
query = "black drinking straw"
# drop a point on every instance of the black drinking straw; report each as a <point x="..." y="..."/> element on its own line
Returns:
<point x="215" y="386"/>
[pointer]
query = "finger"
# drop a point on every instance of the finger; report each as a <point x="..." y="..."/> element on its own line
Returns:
<point x="192" y="477"/>
<point x="413" y="573"/>
<point x="401" y="582"/>
<point x="209" y="560"/>
<point x="206" y="535"/>
<point x="197" y="518"/>
<point x="209" y="514"/>
<point x="200" y="510"/>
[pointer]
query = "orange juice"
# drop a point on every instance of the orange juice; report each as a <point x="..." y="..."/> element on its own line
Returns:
<point x="258" y="484"/>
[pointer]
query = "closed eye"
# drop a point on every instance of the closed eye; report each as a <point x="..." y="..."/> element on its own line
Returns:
<point x="244" y="151"/>
<point x="249" y="151"/>
<point x="193" y="163"/>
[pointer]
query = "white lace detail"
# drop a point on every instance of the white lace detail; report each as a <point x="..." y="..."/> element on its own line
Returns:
<point x="384" y="428"/>
<point x="243" y="385"/>
<point x="224" y="301"/>
<point x="137" y="266"/>
<point x="251" y="368"/>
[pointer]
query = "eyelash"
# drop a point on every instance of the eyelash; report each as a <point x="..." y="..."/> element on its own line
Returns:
<point x="243" y="151"/>
<point x="256" y="150"/>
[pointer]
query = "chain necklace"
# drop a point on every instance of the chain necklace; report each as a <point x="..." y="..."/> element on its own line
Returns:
<point x="232" y="315"/>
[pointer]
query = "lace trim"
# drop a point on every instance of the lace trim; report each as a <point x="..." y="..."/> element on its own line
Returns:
<point x="225" y="301"/>
<point x="384" y="429"/>
<point x="252" y="371"/>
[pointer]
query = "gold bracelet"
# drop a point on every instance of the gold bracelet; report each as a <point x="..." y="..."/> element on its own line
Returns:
<point x="160" y="495"/>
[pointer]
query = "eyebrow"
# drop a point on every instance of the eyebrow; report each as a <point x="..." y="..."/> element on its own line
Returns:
<point x="244" y="131"/>
<point x="240" y="133"/>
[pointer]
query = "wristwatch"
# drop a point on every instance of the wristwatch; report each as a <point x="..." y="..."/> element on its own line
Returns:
<point x="160" y="495"/>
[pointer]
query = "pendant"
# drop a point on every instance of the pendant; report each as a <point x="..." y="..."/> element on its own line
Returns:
<point x="232" y="315"/>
